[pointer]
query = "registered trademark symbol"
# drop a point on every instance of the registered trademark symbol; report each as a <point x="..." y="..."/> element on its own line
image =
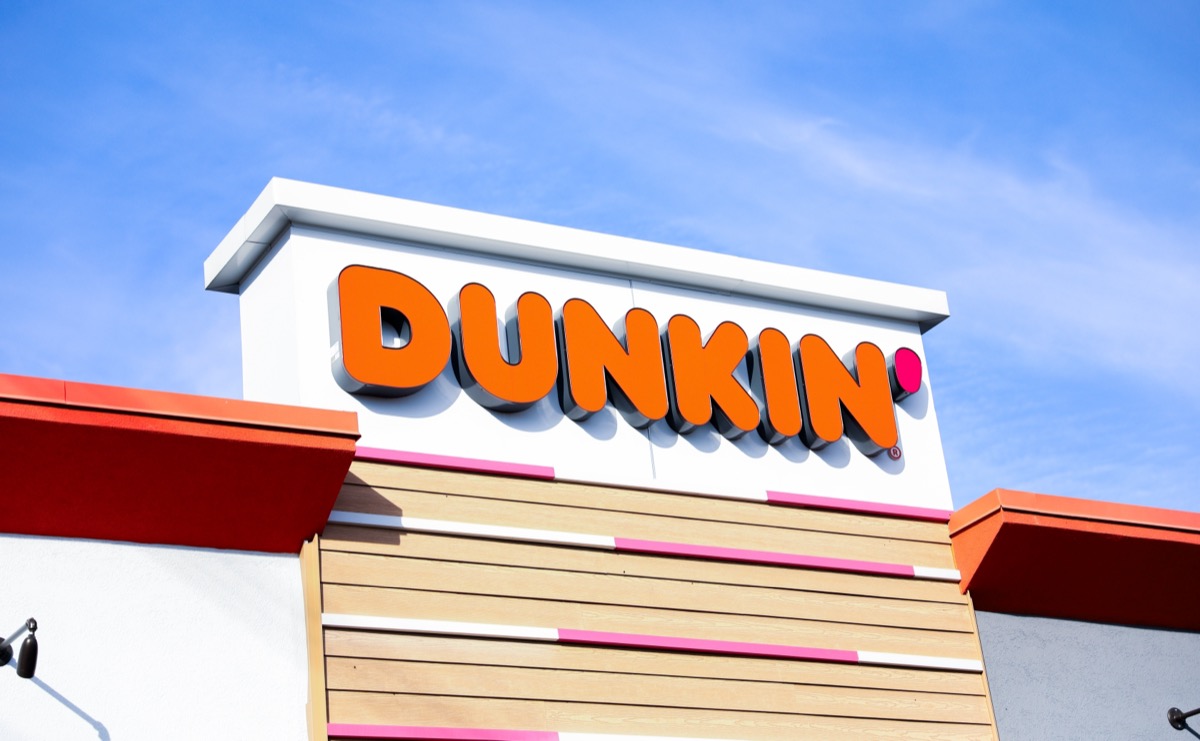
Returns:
<point x="894" y="453"/>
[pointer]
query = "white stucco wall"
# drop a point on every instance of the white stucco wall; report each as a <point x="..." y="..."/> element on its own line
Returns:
<point x="153" y="642"/>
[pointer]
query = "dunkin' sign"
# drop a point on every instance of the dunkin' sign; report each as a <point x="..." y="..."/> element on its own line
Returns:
<point x="393" y="336"/>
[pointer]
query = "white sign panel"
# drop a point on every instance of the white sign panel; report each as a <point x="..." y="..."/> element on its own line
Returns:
<point x="609" y="360"/>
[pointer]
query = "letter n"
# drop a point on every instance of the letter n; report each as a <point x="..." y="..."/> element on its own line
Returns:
<point x="597" y="364"/>
<point x="855" y="401"/>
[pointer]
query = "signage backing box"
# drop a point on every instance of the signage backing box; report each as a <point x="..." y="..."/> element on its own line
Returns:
<point x="284" y="259"/>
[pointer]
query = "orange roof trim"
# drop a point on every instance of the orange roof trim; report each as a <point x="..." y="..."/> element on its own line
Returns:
<point x="170" y="404"/>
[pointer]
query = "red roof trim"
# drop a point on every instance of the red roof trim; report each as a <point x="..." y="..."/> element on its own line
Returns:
<point x="112" y="463"/>
<point x="1052" y="556"/>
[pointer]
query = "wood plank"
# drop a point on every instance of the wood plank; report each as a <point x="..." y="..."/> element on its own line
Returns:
<point x="987" y="692"/>
<point x="638" y="526"/>
<point x="644" y="501"/>
<point x="461" y="650"/>
<point x="314" y="635"/>
<point x="622" y="619"/>
<point x="517" y="683"/>
<point x="368" y="570"/>
<point x="354" y="539"/>
<point x="425" y="710"/>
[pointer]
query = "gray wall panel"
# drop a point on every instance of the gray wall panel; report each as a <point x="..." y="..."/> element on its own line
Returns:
<point x="1062" y="679"/>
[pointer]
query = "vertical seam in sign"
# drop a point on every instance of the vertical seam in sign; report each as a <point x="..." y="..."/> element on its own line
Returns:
<point x="650" y="445"/>
<point x="646" y="430"/>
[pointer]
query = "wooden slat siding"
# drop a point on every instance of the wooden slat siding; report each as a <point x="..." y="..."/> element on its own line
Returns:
<point x="368" y="570"/>
<point x="310" y="575"/>
<point x="585" y="717"/>
<point x="646" y="502"/>
<point x="987" y="690"/>
<point x="356" y="498"/>
<point x="461" y="682"/>
<point x="516" y="683"/>
<point x="646" y="620"/>
<point x="459" y="650"/>
<point x="353" y="539"/>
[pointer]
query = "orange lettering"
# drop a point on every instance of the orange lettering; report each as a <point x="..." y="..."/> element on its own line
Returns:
<point x="853" y="401"/>
<point x="700" y="378"/>
<point x="773" y="377"/>
<point x="532" y="368"/>
<point x="393" y="338"/>
<point x="371" y="301"/>
<point x="598" y="364"/>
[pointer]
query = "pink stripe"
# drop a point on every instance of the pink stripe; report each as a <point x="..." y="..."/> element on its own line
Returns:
<point x="427" y="733"/>
<point x="453" y="463"/>
<point x="850" y="505"/>
<point x="737" y="648"/>
<point x="716" y="553"/>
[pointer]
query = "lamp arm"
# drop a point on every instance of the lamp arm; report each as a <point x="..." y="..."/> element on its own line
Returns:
<point x="1178" y="719"/>
<point x="6" y="645"/>
<point x="27" y="662"/>
<point x="20" y="631"/>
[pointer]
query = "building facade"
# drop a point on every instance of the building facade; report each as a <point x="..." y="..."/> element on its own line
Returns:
<point x="494" y="479"/>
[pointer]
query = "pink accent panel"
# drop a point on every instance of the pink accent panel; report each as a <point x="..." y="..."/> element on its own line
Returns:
<point x="908" y="370"/>
<point x="428" y="733"/>
<point x="453" y="463"/>
<point x="738" y="648"/>
<point x="772" y="558"/>
<point x="850" y="505"/>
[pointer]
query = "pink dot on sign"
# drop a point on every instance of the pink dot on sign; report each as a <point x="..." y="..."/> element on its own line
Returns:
<point x="908" y="370"/>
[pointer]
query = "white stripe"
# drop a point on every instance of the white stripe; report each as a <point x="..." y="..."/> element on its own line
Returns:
<point x="530" y="535"/>
<point x="922" y="662"/>
<point x="494" y="532"/>
<point x="522" y="632"/>
<point x="443" y="627"/>
<point x="928" y="572"/>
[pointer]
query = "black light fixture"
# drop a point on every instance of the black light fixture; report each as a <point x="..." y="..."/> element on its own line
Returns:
<point x="1178" y="719"/>
<point x="27" y="661"/>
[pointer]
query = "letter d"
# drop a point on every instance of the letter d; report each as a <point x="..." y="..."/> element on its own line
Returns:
<point x="393" y="333"/>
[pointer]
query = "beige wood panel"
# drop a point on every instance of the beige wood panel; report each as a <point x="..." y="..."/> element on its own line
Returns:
<point x="648" y="527"/>
<point x="648" y="502"/>
<point x="987" y="691"/>
<point x="457" y="650"/>
<point x="579" y="717"/>
<point x="663" y="691"/>
<point x="368" y="570"/>
<point x="310" y="576"/>
<point x="624" y="619"/>
<point x="408" y="679"/>
<point x="354" y="539"/>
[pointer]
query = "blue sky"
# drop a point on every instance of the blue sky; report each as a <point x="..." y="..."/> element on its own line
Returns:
<point x="1039" y="164"/>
